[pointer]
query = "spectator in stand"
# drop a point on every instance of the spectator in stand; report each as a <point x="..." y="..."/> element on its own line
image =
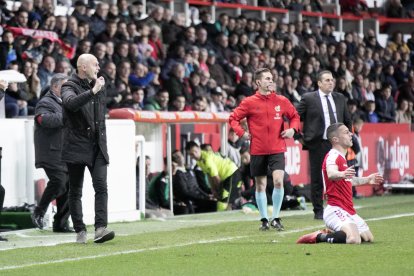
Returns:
<point x="135" y="100"/>
<point x="369" y="115"/>
<point x="306" y="85"/>
<point x="99" y="50"/>
<point x="289" y="90"/>
<point x="385" y="105"/>
<point x="141" y="76"/>
<point x="122" y="77"/>
<point x="79" y="11"/>
<point x="358" y="89"/>
<point x="216" y="104"/>
<point x="406" y="91"/>
<point x="16" y="98"/>
<point x="217" y="72"/>
<point x="113" y="97"/>
<point x="401" y="114"/>
<point x="175" y="83"/>
<point x="178" y="104"/>
<point x="99" y="18"/>
<point x="155" y="42"/>
<point x="402" y="73"/>
<point x="194" y="85"/>
<point x="344" y="88"/>
<point x="394" y="9"/>
<point x="31" y="86"/>
<point x="353" y="109"/>
<point x="245" y="87"/>
<point x="200" y="104"/>
<point x="389" y="78"/>
<point x="8" y="50"/>
<point x="109" y="33"/>
<point x="159" y="102"/>
<point x="171" y="29"/>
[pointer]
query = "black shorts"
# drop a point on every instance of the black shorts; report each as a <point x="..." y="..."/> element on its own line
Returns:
<point x="260" y="165"/>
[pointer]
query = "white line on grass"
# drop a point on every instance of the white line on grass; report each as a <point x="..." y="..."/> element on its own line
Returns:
<point x="178" y="245"/>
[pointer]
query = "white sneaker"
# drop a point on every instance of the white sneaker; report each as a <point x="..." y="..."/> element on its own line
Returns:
<point x="102" y="234"/>
<point x="81" y="237"/>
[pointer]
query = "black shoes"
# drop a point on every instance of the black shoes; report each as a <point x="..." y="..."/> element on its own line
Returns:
<point x="318" y="215"/>
<point x="37" y="220"/>
<point x="276" y="224"/>
<point x="265" y="224"/>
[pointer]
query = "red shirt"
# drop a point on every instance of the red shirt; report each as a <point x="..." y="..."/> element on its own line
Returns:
<point x="338" y="192"/>
<point x="264" y="114"/>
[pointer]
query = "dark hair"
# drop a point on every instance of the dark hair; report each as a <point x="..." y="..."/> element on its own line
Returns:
<point x="323" y="72"/>
<point x="190" y="145"/>
<point x="174" y="156"/>
<point x="332" y="129"/>
<point x="259" y="72"/>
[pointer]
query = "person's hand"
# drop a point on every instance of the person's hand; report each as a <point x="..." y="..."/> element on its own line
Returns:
<point x="13" y="87"/>
<point x="247" y="135"/>
<point x="21" y="104"/>
<point x="288" y="133"/>
<point x="3" y="84"/>
<point x="100" y="82"/>
<point x="375" y="179"/>
<point x="349" y="172"/>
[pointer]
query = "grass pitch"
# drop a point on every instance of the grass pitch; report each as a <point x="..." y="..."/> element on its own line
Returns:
<point x="226" y="243"/>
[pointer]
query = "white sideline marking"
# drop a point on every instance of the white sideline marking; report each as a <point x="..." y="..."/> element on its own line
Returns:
<point x="179" y="245"/>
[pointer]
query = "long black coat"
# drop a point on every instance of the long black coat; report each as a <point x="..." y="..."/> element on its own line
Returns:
<point x="48" y="136"/>
<point x="84" y="121"/>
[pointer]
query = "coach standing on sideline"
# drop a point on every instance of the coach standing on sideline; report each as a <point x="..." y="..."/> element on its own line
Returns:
<point x="48" y="139"/>
<point x="318" y="110"/>
<point x="84" y="145"/>
<point x="3" y="86"/>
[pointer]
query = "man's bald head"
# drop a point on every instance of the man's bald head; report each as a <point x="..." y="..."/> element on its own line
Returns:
<point x="87" y="67"/>
<point x="84" y="59"/>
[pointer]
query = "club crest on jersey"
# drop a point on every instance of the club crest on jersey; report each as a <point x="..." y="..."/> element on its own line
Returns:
<point x="277" y="116"/>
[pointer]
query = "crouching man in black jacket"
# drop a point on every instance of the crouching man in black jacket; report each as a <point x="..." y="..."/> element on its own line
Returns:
<point x="48" y="138"/>
<point x="84" y="144"/>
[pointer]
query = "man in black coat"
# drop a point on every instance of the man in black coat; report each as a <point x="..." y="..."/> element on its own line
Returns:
<point x="84" y="145"/>
<point x="317" y="111"/>
<point x="3" y="87"/>
<point x="48" y="138"/>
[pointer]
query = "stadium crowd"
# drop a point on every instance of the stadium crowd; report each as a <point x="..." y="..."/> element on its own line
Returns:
<point x="157" y="62"/>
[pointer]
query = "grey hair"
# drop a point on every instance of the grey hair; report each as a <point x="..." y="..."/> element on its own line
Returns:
<point x="57" y="78"/>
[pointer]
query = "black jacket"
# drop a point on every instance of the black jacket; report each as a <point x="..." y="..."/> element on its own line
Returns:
<point x="48" y="135"/>
<point x="311" y="114"/>
<point x="84" y="121"/>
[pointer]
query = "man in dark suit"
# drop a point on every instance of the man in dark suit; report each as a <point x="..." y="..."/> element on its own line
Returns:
<point x="48" y="139"/>
<point x="317" y="111"/>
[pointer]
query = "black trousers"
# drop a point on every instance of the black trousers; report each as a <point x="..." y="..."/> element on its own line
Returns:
<point x="2" y="194"/>
<point x="98" y="172"/>
<point x="316" y="156"/>
<point x="57" y="188"/>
